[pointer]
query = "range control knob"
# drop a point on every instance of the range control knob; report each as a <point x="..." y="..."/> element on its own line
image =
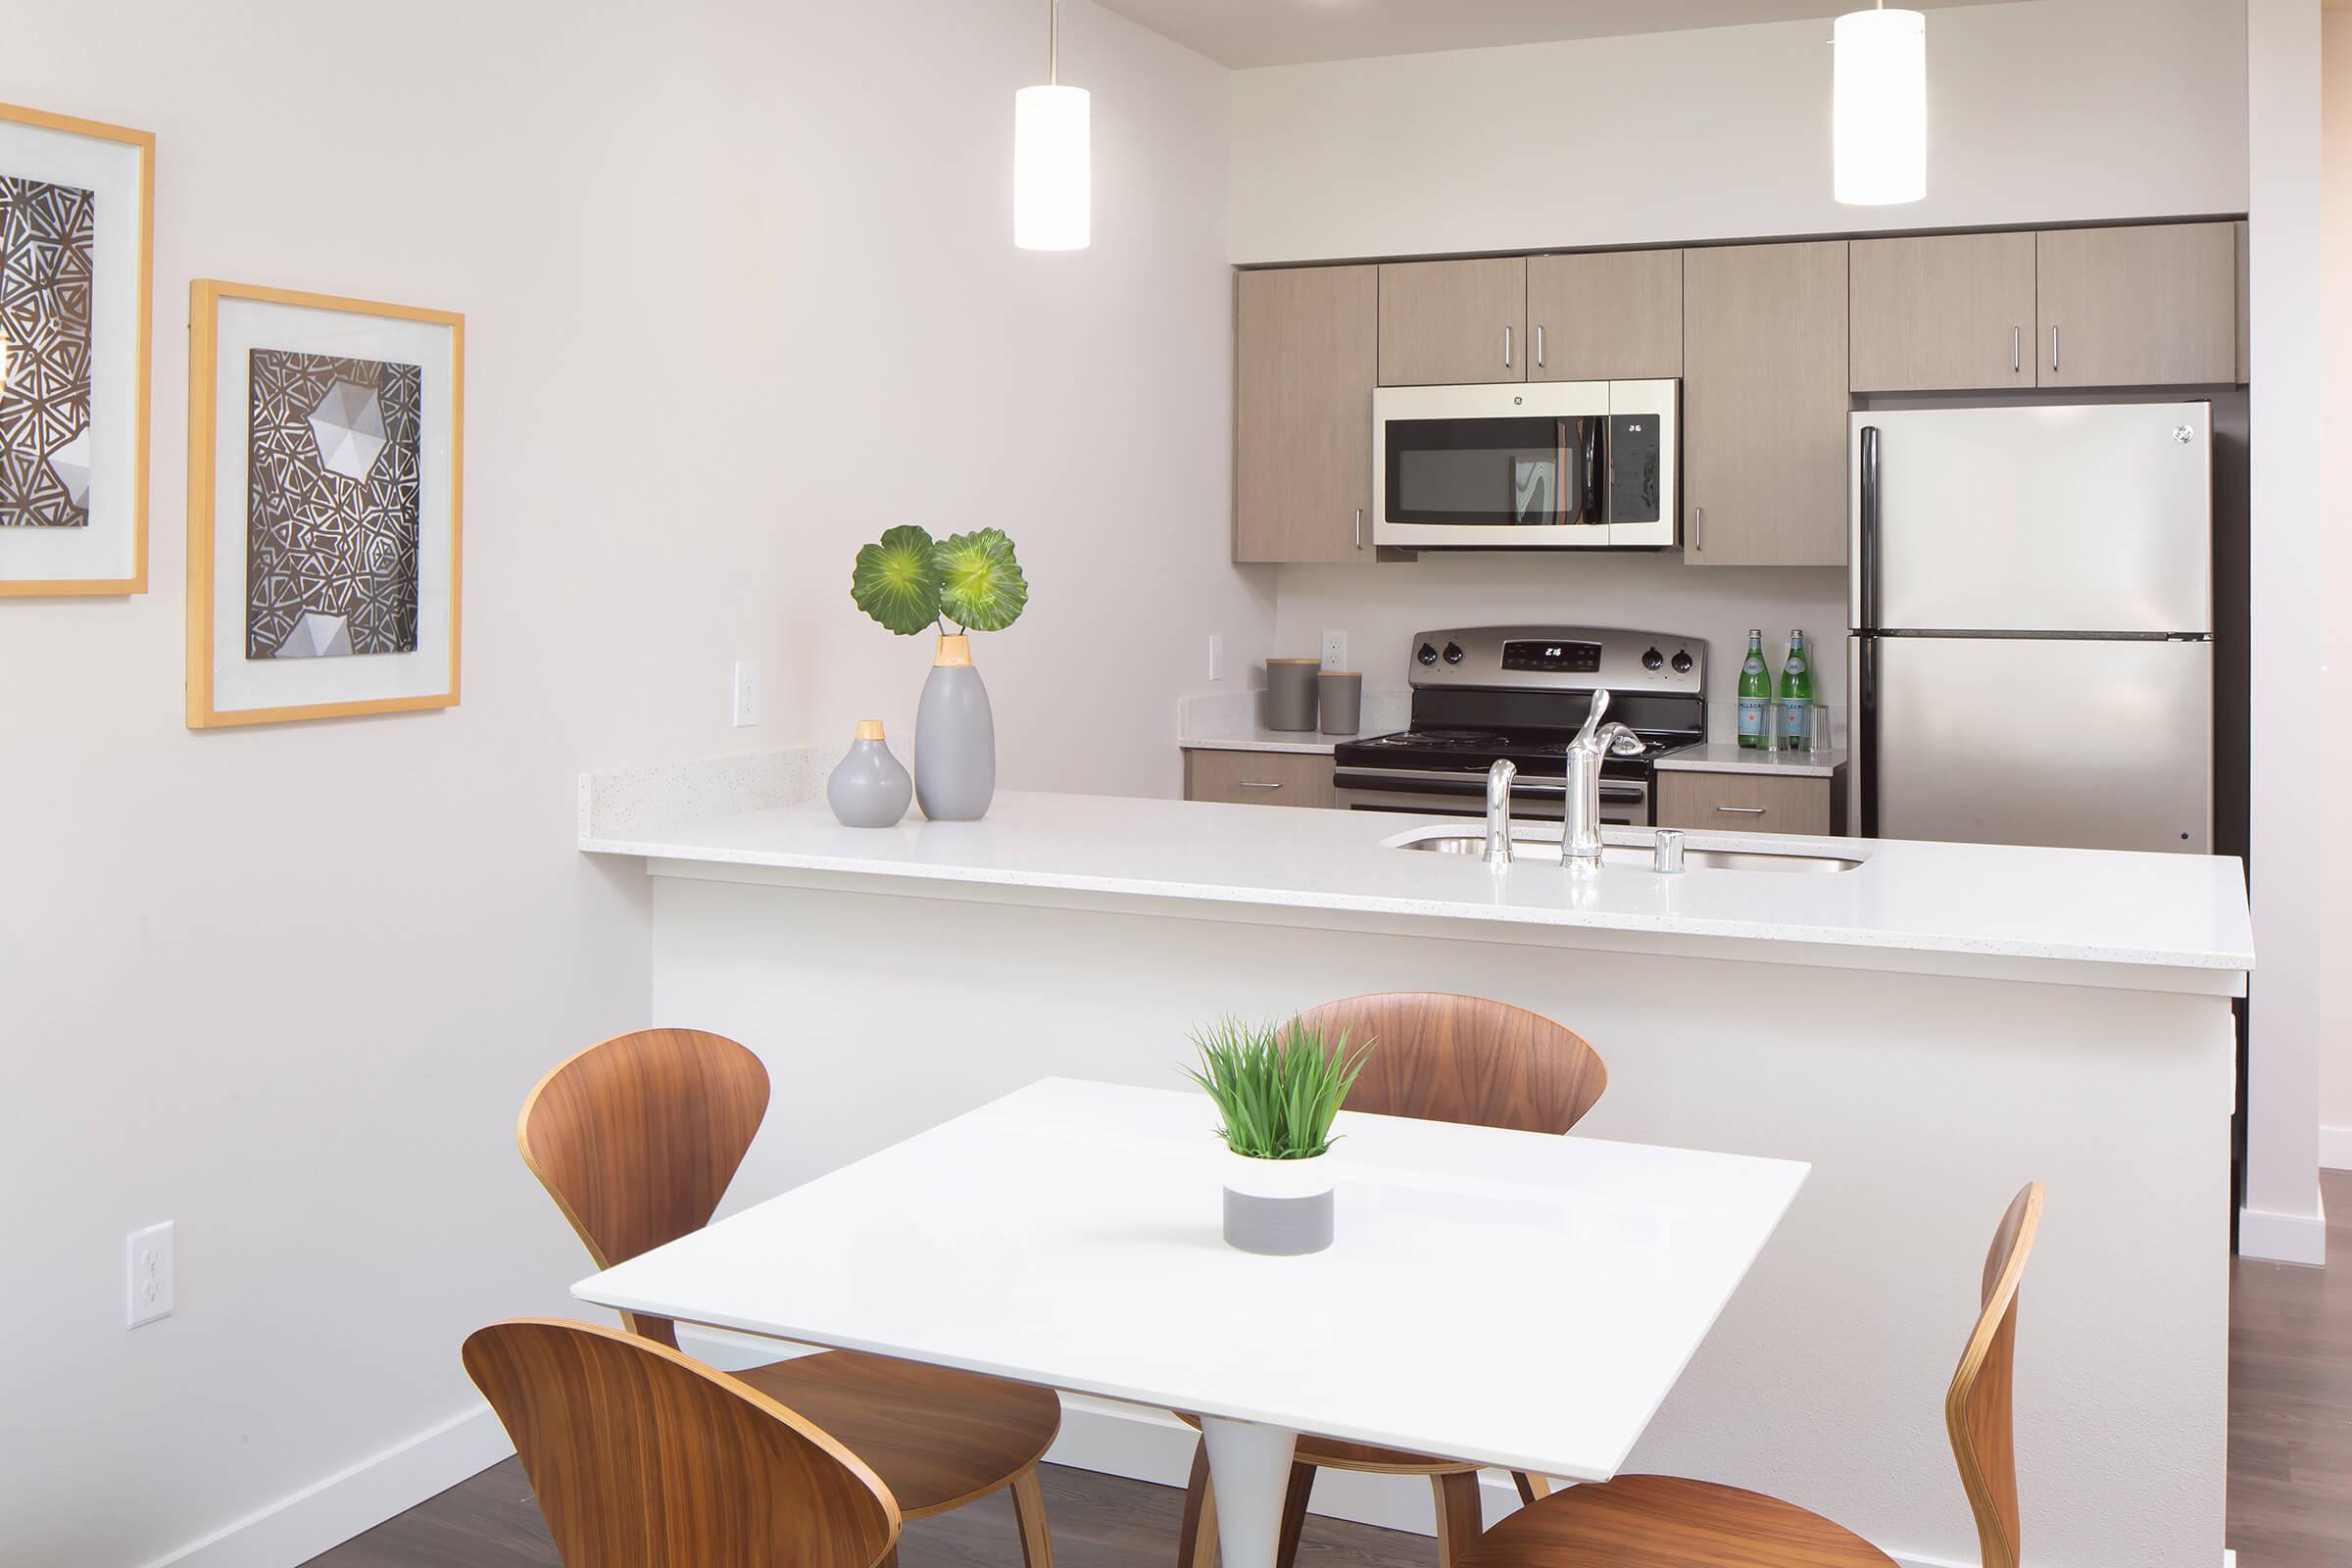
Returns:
<point x="1682" y="661"/>
<point x="1427" y="654"/>
<point x="1652" y="659"/>
<point x="1453" y="653"/>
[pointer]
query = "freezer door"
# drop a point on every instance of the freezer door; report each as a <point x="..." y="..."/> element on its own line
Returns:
<point x="2081" y="743"/>
<point x="2062" y="519"/>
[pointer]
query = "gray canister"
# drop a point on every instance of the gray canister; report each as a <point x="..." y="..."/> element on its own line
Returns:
<point x="1291" y="693"/>
<point x="871" y="787"/>
<point x="1343" y="701"/>
<point x="954" y="738"/>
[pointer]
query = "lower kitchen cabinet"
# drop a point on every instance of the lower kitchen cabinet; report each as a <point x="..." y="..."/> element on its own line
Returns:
<point x="1258" y="778"/>
<point x="1753" y="803"/>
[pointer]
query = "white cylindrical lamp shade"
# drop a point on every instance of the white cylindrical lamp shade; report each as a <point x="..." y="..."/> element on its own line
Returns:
<point x="1881" y="106"/>
<point x="1052" y="169"/>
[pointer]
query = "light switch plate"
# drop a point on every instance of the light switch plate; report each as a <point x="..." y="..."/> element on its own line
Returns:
<point x="1216" y="657"/>
<point x="149" y="1266"/>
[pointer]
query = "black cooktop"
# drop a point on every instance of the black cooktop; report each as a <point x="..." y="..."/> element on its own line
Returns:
<point x="1475" y="750"/>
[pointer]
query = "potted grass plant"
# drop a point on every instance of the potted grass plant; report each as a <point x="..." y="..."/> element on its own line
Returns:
<point x="1278" y="1088"/>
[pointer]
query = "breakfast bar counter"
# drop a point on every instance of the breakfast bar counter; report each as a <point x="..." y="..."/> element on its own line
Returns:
<point x="1928" y="1030"/>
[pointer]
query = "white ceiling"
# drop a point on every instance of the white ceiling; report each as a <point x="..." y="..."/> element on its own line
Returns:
<point x="1281" y="32"/>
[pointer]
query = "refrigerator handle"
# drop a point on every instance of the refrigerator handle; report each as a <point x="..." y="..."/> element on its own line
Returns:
<point x="1869" y="563"/>
<point x="1865" y="721"/>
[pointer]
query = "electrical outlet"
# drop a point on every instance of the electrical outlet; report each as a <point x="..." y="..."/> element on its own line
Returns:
<point x="747" y="692"/>
<point x="1216" y="657"/>
<point x="1335" y="650"/>
<point x="148" y="1281"/>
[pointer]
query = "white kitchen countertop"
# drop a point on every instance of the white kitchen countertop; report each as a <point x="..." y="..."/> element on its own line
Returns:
<point x="1730" y="757"/>
<point x="2155" y="922"/>
<point x="1258" y="738"/>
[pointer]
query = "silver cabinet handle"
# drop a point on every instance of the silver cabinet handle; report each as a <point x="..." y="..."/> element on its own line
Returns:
<point x="1360" y="527"/>
<point x="1252" y="784"/>
<point x="1539" y="345"/>
<point x="2017" y="338"/>
<point x="2053" y="350"/>
<point x="1741" y="811"/>
<point x="1698" y="529"/>
<point x="1507" y="348"/>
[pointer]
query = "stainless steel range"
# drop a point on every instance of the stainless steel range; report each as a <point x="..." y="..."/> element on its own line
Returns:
<point x="1481" y="693"/>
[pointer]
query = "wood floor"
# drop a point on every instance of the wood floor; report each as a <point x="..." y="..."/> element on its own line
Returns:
<point x="2290" y="1467"/>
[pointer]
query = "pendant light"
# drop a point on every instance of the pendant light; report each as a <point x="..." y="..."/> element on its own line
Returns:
<point x="1053" y="173"/>
<point x="1880" y="106"/>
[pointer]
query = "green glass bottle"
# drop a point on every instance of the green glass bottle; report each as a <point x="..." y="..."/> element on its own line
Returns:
<point x="1756" y="693"/>
<point x="1796" y="696"/>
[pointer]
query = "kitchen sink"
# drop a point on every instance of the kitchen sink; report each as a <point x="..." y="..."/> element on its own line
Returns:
<point x="1452" y="841"/>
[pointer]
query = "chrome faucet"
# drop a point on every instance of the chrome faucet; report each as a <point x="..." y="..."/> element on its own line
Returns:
<point x="1498" y="810"/>
<point x="1580" y="841"/>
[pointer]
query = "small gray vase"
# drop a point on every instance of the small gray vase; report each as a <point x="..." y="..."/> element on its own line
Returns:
<point x="870" y="788"/>
<point x="954" y="738"/>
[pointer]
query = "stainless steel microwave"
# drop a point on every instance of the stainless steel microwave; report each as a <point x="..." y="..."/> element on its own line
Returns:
<point x="1526" y="465"/>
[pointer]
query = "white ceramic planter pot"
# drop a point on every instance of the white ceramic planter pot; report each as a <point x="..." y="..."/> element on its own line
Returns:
<point x="1280" y="1208"/>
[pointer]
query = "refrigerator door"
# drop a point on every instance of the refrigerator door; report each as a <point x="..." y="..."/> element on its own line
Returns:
<point x="2075" y="743"/>
<point x="2061" y="519"/>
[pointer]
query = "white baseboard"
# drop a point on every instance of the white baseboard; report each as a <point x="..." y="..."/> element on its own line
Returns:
<point x="2283" y="1238"/>
<point x="2335" y="1149"/>
<point x="329" y="1512"/>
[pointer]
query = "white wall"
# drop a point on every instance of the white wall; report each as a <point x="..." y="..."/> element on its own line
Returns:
<point x="2289" y="844"/>
<point x="2052" y="110"/>
<point x="2336" y="240"/>
<point x="740" y="293"/>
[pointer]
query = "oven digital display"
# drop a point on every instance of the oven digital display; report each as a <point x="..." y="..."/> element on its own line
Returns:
<point x="1577" y="658"/>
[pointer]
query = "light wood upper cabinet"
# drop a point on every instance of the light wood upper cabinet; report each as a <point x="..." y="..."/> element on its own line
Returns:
<point x="2153" y="305"/>
<point x="1947" y="312"/>
<point x="1449" y="324"/>
<point x="1305" y="345"/>
<point x="1764" y="405"/>
<point x="1612" y="315"/>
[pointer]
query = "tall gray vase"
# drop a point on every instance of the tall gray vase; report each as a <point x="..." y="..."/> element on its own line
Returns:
<point x="954" y="738"/>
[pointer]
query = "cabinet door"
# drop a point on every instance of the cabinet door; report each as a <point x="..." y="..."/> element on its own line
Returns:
<point x="1949" y="312"/>
<point x="2153" y="305"/>
<point x="1747" y="803"/>
<point x="1452" y="324"/>
<point x="1258" y="778"/>
<point x="1764" y="405"/>
<point x="1615" y="315"/>
<point x="1304" y="346"/>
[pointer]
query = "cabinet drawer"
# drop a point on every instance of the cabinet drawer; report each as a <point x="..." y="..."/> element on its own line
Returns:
<point x="1257" y="778"/>
<point x="1748" y="803"/>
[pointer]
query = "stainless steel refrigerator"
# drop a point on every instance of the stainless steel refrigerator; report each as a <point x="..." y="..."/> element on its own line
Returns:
<point x="2030" y="659"/>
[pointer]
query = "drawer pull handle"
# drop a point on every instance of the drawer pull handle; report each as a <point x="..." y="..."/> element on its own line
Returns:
<point x="1741" y="811"/>
<point x="1253" y="784"/>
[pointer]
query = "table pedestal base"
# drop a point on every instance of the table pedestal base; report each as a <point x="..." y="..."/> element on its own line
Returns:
<point x="1251" y="1466"/>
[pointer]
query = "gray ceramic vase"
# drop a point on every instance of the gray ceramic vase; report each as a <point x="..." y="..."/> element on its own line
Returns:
<point x="871" y="787"/>
<point x="954" y="738"/>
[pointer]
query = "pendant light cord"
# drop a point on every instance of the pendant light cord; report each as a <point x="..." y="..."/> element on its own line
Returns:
<point x="1054" y="41"/>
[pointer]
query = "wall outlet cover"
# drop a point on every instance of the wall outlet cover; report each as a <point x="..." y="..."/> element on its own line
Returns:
<point x="747" y="693"/>
<point x="150" y="1267"/>
<point x="1335" y="650"/>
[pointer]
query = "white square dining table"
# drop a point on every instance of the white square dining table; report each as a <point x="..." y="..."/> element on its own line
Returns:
<point x="1069" y="1235"/>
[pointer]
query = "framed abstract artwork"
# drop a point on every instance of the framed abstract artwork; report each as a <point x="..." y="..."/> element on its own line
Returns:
<point x="326" y="459"/>
<point x="76" y="277"/>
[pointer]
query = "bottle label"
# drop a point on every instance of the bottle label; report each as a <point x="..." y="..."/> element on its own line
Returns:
<point x="1752" y="718"/>
<point x="1794" y="717"/>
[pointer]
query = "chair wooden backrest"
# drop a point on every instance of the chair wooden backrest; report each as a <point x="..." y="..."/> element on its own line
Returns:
<point x="645" y="1459"/>
<point x="1445" y="1057"/>
<point x="637" y="1138"/>
<point x="1977" y="1410"/>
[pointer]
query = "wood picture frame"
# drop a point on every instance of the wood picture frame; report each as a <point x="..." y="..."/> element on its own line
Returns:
<point x="109" y="555"/>
<point x="232" y="329"/>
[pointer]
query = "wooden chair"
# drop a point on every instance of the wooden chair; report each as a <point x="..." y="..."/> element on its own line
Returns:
<point x="1440" y="1058"/>
<point x="644" y="1457"/>
<point x="1662" y="1522"/>
<point x="636" y="1140"/>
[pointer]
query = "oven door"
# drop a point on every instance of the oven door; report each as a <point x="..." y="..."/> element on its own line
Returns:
<point x="1512" y="467"/>
<point x="1624" y="802"/>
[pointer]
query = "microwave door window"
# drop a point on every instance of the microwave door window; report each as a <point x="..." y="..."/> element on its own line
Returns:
<point x="1479" y="473"/>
